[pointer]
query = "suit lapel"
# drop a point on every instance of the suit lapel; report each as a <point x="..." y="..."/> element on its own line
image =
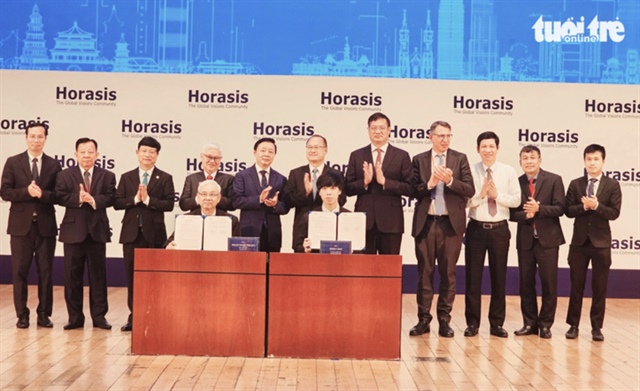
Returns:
<point x="603" y="184"/>
<point x="153" y="179"/>
<point x="25" y="164"/>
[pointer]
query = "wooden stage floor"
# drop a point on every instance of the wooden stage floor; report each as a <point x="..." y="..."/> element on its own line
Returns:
<point x="93" y="359"/>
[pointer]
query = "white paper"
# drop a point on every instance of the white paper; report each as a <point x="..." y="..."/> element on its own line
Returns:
<point x="322" y="226"/>
<point x="217" y="230"/>
<point x="353" y="227"/>
<point x="188" y="232"/>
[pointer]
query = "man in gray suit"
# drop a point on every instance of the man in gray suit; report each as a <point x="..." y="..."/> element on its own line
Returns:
<point x="443" y="183"/>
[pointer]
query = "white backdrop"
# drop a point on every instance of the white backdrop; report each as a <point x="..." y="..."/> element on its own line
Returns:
<point x="113" y="108"/>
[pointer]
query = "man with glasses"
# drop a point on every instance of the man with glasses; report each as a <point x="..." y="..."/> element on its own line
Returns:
<point x="210" y="159"/>
<point x="28" y="182"/>
<point x="380" y="174"/>
<point x="443" y="184"/>
<point x="208" y="195"/>
<point x="144" y="193"/>
<point x="301" y="191"/>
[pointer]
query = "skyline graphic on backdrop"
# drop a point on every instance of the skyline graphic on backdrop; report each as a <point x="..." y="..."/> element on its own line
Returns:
<point x="583" y="41"/>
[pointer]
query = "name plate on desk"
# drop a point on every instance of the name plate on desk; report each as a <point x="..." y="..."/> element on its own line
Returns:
<point x="335" y="247"/>
<point x="243" y="244"/>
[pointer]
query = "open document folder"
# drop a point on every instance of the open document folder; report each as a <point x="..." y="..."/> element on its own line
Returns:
<point x="343" y="226"/>
<point x="193" y="232"/>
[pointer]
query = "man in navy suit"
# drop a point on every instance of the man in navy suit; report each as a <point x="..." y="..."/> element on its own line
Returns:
<point x="256" y="193"/>
<point x="210" y="159"/>
<point x="86" y="191"/>
<point x="301" y="191"/>
<point x="145" y="194"/>
<point x="380" y="174"/>
<point x="28" y="182"/>
<point x="593" y="200"/>
<point x="538" y="240"/>
<point x="443" y="183"/>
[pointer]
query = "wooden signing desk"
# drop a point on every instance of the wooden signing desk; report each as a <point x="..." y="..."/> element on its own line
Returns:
<point x="201" y="303"/>
<point x="334" y="306"/>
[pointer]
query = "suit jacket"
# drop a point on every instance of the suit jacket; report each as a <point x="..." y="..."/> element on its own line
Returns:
<point x="246" y="193"/>
<point x="303" y="229"/>
<point x="295" y="195"/>
<point x="16" y="178"/>
<point x="190" y="190"/>
<point x="161" y="199"/>
<point x="235" y="226"/>
<point x="81" y="220"/>
<point x="382" y="206"/>
<point x="593" y="224"/>
<point x="455" y="196"/>
<point x="549" y="192"/>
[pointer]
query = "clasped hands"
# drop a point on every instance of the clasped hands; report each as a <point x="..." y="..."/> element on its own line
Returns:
<point x="270" y="202"/>
<point x="531" y="207"/>
<point x="85" y="196"/>
<point x="440" y="173"/>
<point x="34" y="190"/>
<point x="488" y="189"/>
<point x="589" y="203"/>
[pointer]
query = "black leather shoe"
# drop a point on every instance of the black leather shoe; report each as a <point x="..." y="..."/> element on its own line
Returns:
<point x="127" y="327"/>
<point x="545" y="333"/>
<point x="596" y="335"/>
<point x="446" y="330"/>
<point x="103" y="324"/>
<point x="421" y="328"/>
<point x="526" y="330"/>
<point x="471" y="331"/>
<point x="498" y="331"/>
<point x="72" y="326"/>
<point x="44" y="321"/>
<point x="572" y="333"/>
<point x="23" y="322"/>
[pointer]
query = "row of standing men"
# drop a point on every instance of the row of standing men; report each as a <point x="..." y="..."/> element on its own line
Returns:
<point x="379" y="174"/>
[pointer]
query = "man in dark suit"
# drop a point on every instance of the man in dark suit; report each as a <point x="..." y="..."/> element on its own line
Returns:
<point x="538" y="240"/>
<point x="210" y="159"/>
<point x="443" y="183"/>
<point x="301" y="191"/>
<point x="380" y="174"/>
<point x="28" y="182"/>
<point x="329" y="187"/>
<point x="593" y="200"/>
<point x="208" y="194"/>
<point x="144" y="193"/>
<point x="86" y="192"/>
<point x="255" y="191"/>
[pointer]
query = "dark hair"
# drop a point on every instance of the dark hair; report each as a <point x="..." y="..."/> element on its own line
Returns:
<point x="265" y="140"/>
<point x="529" y="149"/>
<point x="487" y="136"/>
<point x="37" y="124"/>
<point x="149" y="142"/>
<point x="318" y="136"/>
<point x="593" y="148"/>
<point x="439" y="123"/>
<point x="330" y="179"/>
<point x="377" y="116"/>
<point x="83" y="140"/>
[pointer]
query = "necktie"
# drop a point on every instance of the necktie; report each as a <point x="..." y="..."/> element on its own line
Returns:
<point x="378" y="156"/>
<point x="440" y="207"/>
<point x="209" y="177"/>
<point x="532" y="191"/>
<point x="34" y="169"/>
<point x="87" y="181"/>
<point x="263" y="181"/>
<point x="145" y="178"/>
<point x="591" y="188"/>
<point x="493" y="208"/>
<point x="315" y="184"/>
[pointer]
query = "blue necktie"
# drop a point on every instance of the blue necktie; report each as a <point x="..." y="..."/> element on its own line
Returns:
<point x="263" y="181"/>
<point x="145" y="181"/>
<point x="592" y="187"/>
<point x="440" y="207"/>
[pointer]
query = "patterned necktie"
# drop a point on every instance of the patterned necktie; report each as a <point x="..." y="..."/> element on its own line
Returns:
<point x="592" y="187"/>
<point x="440" y="206"/>
<point x="145" y="178"/>
<point x="493" y="208"/>
<point x="34" y="169"/>
<point x="263" y="181"/>
<point x="87" y="181"/>
<point x="315" y="184"/>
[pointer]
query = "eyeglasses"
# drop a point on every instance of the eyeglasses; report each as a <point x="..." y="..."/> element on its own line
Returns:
<point x="209" y="195"/>
<point x="442" y="136"/>
<point x="209" y="157"/>
<point x="316" y="147"/>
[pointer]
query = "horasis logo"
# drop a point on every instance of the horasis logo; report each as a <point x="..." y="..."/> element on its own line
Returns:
<point x="574" y="31"/>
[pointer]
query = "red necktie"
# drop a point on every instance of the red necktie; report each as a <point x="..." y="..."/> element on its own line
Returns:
<point x="379" y="156"/>
<point x="209" y="177"/>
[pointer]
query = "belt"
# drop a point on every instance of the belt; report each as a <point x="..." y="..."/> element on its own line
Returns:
<point x="489" y="225"/>
<point x="437" y="218"/>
